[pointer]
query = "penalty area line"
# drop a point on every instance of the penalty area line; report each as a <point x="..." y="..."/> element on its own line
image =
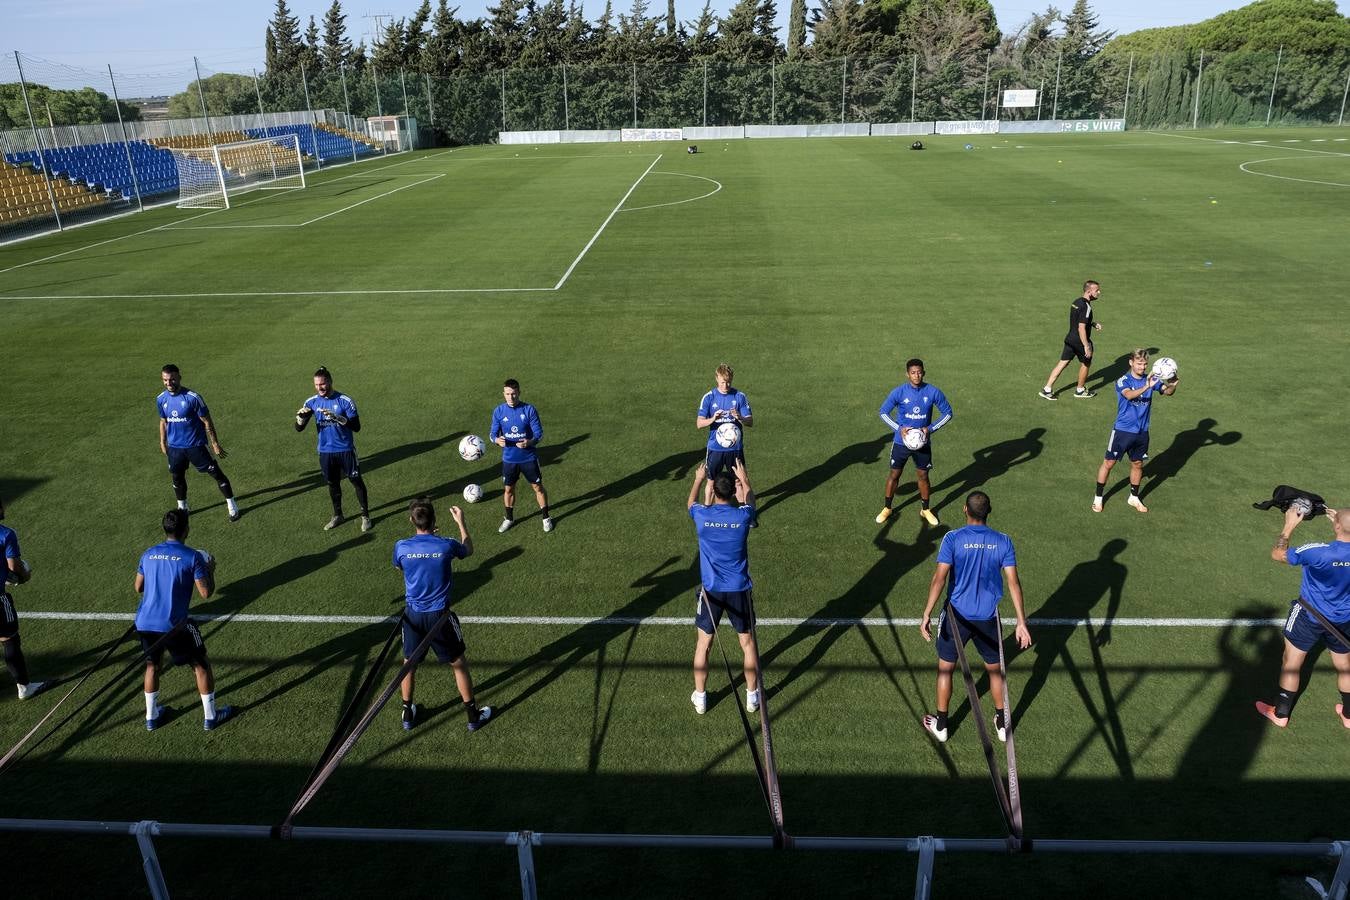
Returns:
<point x="663" y="621"/>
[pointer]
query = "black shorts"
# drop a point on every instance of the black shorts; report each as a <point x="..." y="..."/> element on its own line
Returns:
<point x="984" y="632"/>
<point x="1075" y="350"/>
<point x="448" y="644"/>
<point x="1303" y="630"/>
<point x="197" y="457"/>
<point x="738" y="605"/>
<point x="511" y="472"/>
<point x="337" y="466"/>
<point x="923" y="457"/>
<point x="9" y="616"/>
<point x="185" y="645"/>
<point x="722" y="460"/>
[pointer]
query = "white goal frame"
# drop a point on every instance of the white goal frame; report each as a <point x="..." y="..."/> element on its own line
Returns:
<point x="209" y="176"/>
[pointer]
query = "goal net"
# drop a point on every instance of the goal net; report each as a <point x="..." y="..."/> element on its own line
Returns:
<point x="208" y="177"/>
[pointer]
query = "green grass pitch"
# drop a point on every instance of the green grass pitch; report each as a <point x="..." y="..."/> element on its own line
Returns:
<point x="611" y="280"/>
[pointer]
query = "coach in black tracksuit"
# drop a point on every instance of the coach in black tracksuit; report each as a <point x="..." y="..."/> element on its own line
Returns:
<point x="1077" y="343"/>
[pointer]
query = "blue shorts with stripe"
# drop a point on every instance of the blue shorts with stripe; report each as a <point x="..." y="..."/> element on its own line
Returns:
<point x="923" y="457"/>
<point x="185" y="646"/>
<point x="198" y="457"/>
<point x="448" y="643"/>
<point x="984" y="632"/>
<point x="738" y="605"/>
<point x="1305" y="632"/>
<point x="9" y="616"/>
<point x="1135" y="443"/>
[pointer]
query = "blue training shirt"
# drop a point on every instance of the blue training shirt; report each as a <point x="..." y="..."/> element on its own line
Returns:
<point x="718" y="405"/>
<point x="1132" y="415"/>
<point x="170" y="569"/>
<point x="516" y="423"/>
<point x="723" y="559"/>
<point x="1326" y="577"/>
<point x="183" y="411"/>
<point x="425" y="562"/>
<point x="333" y="438"/>
<point x="977" y="555"/>
<point x="914" y="408"/>
<point x="10" y="542"/>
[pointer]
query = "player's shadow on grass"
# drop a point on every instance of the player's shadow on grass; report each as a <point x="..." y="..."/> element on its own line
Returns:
<point x="1074" y="600"/>
<point x="1184" y="446"/>
<point x="662" y="584"/>
<point x="303" y="484"/>
<point x="989" y="463"/>
<point x="868" y="593"/>
<point x="12" y="489"/>
<point x="1225" y="746"/>
<point x="861" y="453"/>
<point x="232" y="597"/>
<point x="675" y="467"/>
<point x="1106" y="376"/>
<point x="549" y="455"/>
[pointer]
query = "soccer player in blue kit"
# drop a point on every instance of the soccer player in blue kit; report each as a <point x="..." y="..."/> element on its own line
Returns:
<point x="517" y="430"/>
<point x="1326" y="587"/>
<point x="185" y="427"/>
<point x="165" y="578"/>
<point x="336" y="420"/>
<point x="914" y="402"/>
<point x="16" y="572"/>
<point x="724" y="572"/>
<point x="1135" y="391"/>
<point x="977" y="558"/>
<point x="425" y="560"/>
<point x="722" y="405"/>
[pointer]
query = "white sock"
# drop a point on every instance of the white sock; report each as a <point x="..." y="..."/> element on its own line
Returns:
<point x="701" y="695"/>
<point x="232" y="506"/>
<point x="1048" y="389"/>
<point x="152" y="704"/>
<point x="209" y="705"/>
<point x="182" y="504"/>
<point x="754" y="694"/>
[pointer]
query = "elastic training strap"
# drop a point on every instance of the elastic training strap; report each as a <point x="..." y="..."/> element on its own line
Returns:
<point x="14" y="754"/>
<point x="766" y="770"/>
<point x="1011" y="812"/>
<point x="338" y="752"/>
<point x="345" y="721"/>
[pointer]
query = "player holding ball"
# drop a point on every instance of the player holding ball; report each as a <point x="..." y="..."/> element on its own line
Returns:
<point x="1135" y="392"/>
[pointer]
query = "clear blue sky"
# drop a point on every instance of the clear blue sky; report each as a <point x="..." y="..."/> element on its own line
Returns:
<point x="157" y="39"/>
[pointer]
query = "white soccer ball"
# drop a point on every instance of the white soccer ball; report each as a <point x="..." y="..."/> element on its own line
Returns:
<point x="471" y="447"/>
<point x="727" y="434"/>
<point x="915" y="439"/>
<point x="1165" y="368"/>
<point x="472" y="493"/>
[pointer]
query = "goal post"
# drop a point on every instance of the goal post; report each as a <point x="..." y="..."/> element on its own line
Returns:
<point x="208" y="177"/>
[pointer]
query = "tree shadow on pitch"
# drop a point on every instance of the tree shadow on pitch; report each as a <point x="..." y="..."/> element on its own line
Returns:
<point x="1184" y="446"/>
<point x="861" y="453"/>
<point x="867" y="594"/>
<point x="1227" y="743"/>
<point x="988" y="463"/>
<point x="675" y="467"/>
<point x="1074" y="600"/>
<point x="1101" y="380"/>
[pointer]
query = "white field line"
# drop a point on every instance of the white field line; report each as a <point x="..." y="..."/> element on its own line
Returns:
<point x="1253" y="162"/>
<point x="678" y="202"/>
<point x="169" y="225"/>
<point x="369" y="199"/>
<point x="371" y="292"/>
<point x="425" y="180"/>
<point x="649" y="621"/>
<point x="612" y="213"/>
<point x="1191" y="137"/>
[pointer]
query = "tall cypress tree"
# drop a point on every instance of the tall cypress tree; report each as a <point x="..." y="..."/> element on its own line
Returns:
<point x="796" y="36"/>
<point x="337" y="47"/>
<point x="284" y="44"/>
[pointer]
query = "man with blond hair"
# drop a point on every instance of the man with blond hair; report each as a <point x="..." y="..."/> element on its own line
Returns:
<point x="722" y="406"/>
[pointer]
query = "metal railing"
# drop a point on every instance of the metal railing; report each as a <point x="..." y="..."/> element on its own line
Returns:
<point x="926" y="847"/>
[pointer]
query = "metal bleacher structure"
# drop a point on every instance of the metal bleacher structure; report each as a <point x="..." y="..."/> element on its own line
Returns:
<point x="71" y="181"/>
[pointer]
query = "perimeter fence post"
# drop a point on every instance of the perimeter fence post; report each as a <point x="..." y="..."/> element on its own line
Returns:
<point x="567" y="111"/>
<point x="913" y="85"/>
<point x="1270" y="107"/>
<point x="843" y="92"/>
<point x="313" y="119"/>
<point x="37" y="142"/>
<point x="1129" y="73"/>
<point x="529" y="888"/>
<point x="1341" y="119"/>
<point x="1199" y="76"/>
<point x="431" y="108"/>
<point x="154" y="876"/>
<point x="201" y="97"/>
<point x="1059" y="63"/>
<point x="773" y="92"/>
<point x="347" y="103"/>
<point x="923" y="880"/>
<point x="984" y="101"/>
<point x="705" y="95"/>
<point x="126" y="142"/>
